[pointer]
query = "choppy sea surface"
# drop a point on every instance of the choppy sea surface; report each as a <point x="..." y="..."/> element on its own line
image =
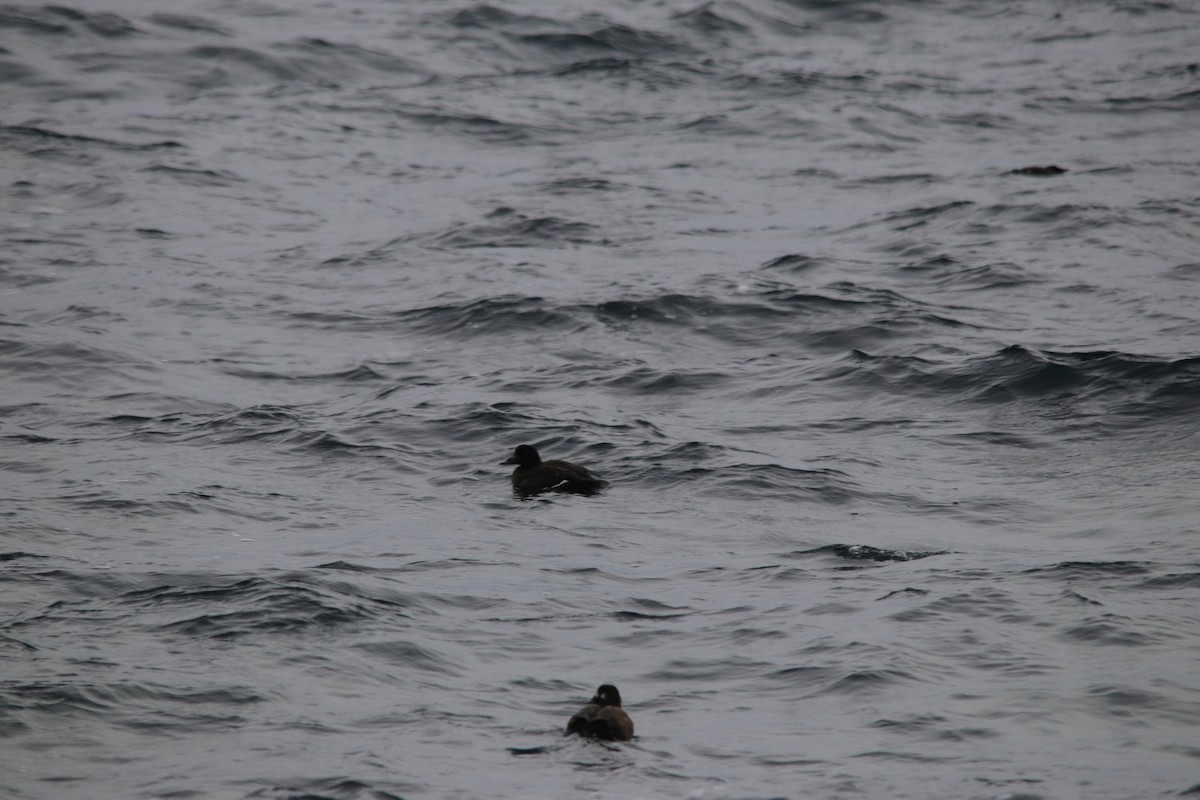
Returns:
<point x="881" y="318"/>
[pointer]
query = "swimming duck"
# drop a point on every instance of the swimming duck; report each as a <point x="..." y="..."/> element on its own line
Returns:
<point x="603" y="718"/>
<point x="534" y="476"/>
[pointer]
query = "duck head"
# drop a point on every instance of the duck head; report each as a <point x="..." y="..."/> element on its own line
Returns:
<point x="607" y="695"/>
<point x="525" y="456"/>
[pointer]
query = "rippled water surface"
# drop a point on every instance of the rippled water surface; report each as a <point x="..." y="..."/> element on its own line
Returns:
<point x="881" y="319"/>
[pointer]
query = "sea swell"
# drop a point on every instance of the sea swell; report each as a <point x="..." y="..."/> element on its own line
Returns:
<point x="878" y="320"/>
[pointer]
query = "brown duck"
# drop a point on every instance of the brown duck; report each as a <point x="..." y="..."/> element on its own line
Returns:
<point x="603" y="718"/>
<point x="534" y="476"/>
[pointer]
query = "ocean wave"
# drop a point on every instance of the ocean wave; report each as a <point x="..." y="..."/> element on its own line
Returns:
<point x="516" y="230"/>
<point x="283" y="429"/>
<point x="1120" y="388"/>
<point x="229" y="609"/>
<point x="866" y="552"/>
<point x="139" y="706"/>
<point x="602" y="41"/>
<point x="37" y="141"/>
<point x="842" y="316"/>
<point x="190" y="23"/>
<point x="1113" y="630"/>
<point x="65" y="21"/>
<point x="949" y="273"/>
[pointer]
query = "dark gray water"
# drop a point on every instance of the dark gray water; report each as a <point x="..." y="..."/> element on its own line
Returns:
<point x="882" y="319"/>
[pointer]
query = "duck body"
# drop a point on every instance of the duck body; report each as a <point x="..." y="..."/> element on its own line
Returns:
<point x="534" y="476"/>
<point x="603" y="718"/>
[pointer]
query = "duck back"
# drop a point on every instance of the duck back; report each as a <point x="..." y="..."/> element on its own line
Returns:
<point x="607" y="723"/>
